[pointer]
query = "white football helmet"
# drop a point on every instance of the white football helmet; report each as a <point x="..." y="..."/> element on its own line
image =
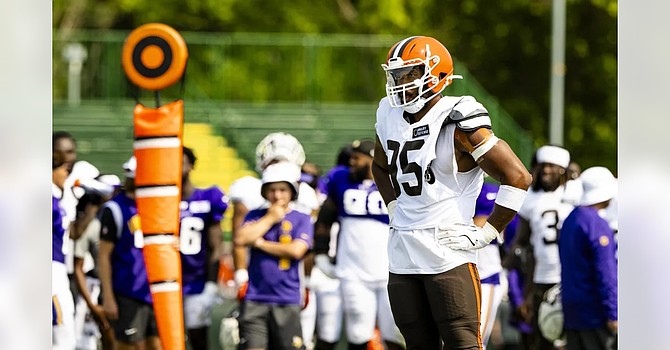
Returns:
<point x="279" y="146"/>
<point x="281" y="172"/>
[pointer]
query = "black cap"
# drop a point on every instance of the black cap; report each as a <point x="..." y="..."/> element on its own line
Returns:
<point x="366" y="147"/>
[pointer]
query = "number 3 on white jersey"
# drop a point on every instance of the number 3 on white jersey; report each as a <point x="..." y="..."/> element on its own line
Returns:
<point x="190" y="236"/>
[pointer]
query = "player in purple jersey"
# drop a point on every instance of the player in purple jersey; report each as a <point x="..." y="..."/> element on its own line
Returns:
<point x="589" y="267"/>
<point x="200" y="235"/>
<point x="354" y="201"/>
<point x="341" y="163"/>
<point x="279" y="237"/>
<point x="126" y="295"/>
<point x="61" y="297"/>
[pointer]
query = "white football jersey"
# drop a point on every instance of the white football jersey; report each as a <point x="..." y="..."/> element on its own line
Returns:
<point x="247" y="190"/>
<point x="429" y="189"/>
<point x="429" y="179"/>
<point x="545" y="212"/>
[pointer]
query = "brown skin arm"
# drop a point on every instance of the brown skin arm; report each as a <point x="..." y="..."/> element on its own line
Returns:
<point x="79" y="225"/>
<point x="380" y="173"/>
<point x="239" y="251"/>
<point x="105" y="273"/>
<point x="80" y="280"/>
<point x="214" y="236"/>
<point x="327" y="216"/>
<point x="499" y="162"/>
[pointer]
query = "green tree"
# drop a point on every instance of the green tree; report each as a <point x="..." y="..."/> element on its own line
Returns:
<point x="504" y="44"/>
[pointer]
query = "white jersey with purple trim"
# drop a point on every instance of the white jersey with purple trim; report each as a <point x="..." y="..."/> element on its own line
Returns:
<point x="247" y="190"/>
<point x="363" y="228"/>
<point x="545" y="212"/>
<point x="429" y="188"/>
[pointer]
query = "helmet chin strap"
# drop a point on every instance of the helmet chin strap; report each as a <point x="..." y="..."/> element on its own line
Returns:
<point x="416" y="106"/>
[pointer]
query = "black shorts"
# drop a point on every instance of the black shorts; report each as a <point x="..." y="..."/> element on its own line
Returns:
<point x="444" y="306"/>
<point x="136" y="320"/>
<point x="264" y="326"/>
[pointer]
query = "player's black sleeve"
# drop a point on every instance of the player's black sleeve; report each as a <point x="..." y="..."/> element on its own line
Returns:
<point x="327" y="216"/>
<point x="108" y="228"/>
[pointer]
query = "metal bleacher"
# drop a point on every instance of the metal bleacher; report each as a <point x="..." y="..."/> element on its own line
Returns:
<point x="104" y="130"/>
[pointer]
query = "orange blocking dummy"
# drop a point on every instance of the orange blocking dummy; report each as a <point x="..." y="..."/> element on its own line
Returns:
<point x="154" y="57"/>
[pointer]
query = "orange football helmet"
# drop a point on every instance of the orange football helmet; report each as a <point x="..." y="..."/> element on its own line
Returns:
<point x="417" y="69"/>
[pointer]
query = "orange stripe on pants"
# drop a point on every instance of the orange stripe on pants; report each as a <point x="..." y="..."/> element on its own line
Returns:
<point x="474" y="274"/>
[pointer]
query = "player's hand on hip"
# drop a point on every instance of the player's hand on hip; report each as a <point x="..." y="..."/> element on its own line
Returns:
<point x="111" y="309"/>
<point x="323" y="262"/>
<point x="465" y="237"/>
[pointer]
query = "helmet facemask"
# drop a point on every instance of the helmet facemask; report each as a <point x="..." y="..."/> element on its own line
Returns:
<point x="422" y="86"/>
<point x="414" y="94"/>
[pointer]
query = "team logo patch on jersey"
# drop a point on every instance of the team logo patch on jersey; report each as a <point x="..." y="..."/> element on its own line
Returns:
<point x="604" y="241"/>
<point x="286" y="226"/>
<point x="134" y="223"/>
<point x="420" y="131"/>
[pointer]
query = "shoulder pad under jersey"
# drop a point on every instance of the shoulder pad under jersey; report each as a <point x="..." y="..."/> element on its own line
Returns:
<point x="469" y="115"/>
<point x="244" y="187"/>
<point x="383" y="110"/>
<point x="307" y="197"/>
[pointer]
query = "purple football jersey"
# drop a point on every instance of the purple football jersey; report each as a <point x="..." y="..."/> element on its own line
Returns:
<point x="356" y="199"/>
<point x="203" y="209"/>
<point x="322" y="186"/>
<point x="273" y="280"/>
<point x="129" y="273"/>
<point x="58" y="231"/>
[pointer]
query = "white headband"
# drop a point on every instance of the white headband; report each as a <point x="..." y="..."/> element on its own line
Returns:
<point x="553" y="155"/>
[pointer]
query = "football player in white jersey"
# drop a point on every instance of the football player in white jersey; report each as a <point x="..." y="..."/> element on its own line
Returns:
<point x="245" y="195"/>
<point x="326" y="285"/>
<point x="541" y="217"/>
<point x="354" y="201"/>
<point x="429" y="163"/>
